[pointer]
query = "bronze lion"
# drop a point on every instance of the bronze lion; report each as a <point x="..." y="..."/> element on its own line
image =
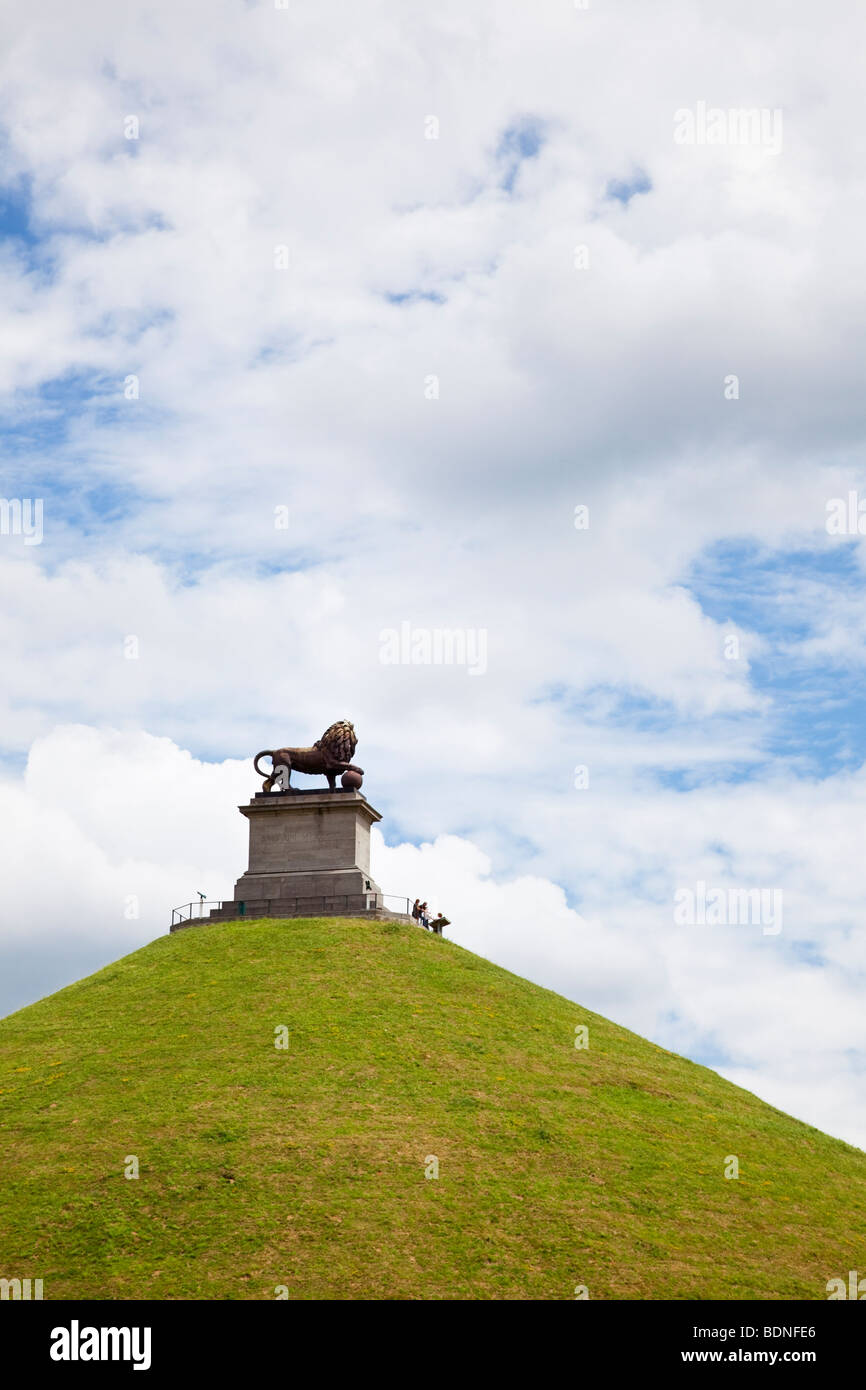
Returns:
<point x="329" y="755"/>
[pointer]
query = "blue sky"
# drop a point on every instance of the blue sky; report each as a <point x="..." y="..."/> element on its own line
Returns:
<point x="425" y="392"/>
<point x="817" y="713"/>
<point x="15" y="205"/>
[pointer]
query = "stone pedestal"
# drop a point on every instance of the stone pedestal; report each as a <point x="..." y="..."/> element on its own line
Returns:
<point x="309" y="856"/>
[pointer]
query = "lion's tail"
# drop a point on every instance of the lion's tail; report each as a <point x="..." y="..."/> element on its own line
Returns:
<point x="265" y="753"/>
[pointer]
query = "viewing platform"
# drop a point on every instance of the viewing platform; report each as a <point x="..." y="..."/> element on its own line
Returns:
<point x="309" y="856"/>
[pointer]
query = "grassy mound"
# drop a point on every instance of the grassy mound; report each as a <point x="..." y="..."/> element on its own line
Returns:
<point x="305" y="1167"/>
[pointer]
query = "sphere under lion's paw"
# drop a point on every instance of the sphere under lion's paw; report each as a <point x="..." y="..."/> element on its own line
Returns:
<point x="351" y="781"/>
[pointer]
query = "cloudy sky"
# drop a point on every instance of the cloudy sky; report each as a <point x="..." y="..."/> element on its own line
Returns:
<point x="338" y="320"/>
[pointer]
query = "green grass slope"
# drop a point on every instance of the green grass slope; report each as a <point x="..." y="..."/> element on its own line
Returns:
<point x="305" y="1167"/>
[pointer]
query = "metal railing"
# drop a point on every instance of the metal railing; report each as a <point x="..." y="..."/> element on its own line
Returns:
<point x="189" y="912"/>
<point x="309" y="903"/>
<point x="406" y="906"/>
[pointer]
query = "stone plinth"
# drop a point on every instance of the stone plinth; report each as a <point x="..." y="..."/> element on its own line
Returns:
<point x="309" y="856"/>
<point x="305" y="846"/>
<point x="308" y="832"/>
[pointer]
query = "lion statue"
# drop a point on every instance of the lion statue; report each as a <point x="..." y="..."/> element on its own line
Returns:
<point x="329" y="755"/>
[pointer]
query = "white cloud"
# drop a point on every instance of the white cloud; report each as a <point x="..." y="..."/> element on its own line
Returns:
<point x="101" y="816"/>
<point x="558" y="386"/>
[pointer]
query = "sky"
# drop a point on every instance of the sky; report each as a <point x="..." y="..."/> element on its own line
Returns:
<point x="331" y="327"/>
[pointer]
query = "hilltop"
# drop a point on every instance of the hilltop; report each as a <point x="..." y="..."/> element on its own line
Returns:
<point x="304" y="1166"/>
